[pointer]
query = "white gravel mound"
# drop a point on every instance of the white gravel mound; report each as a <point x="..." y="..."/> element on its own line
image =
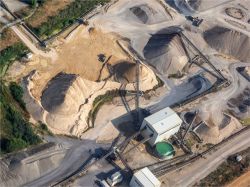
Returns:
<point x="165" y="52"/>
<point x="229" y="42"/>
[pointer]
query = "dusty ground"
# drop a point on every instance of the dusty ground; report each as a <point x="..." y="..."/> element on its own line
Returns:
<point x="242" y="181"/>
<point x="58" y="100"/>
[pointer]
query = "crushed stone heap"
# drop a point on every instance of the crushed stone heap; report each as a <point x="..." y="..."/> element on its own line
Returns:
<point x="229" y="42"/>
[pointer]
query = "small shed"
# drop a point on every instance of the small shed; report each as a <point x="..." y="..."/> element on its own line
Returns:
<point x="144" y="178"/>
<point x="29" y="56"/>
<point x="161" y="125"/>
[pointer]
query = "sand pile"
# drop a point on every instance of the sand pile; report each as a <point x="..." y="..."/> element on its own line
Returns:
<point x="125" y="72"/>
<point x="54" y="94"/>
<point x="165" y="52"/>
<point x="67" y="99"/>
<point x="60" y="92"/>
<point x="190" y="88"/>
<point x="132" y="18"/>
<point x="20" y="168"/>
<point x="145" y="12"/>
<point x="216" y="133"/>
<point x="229" y="42"/>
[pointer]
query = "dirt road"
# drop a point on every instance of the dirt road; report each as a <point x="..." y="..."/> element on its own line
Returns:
<point x="190" y="174"/>
<point x="32" y="46"/>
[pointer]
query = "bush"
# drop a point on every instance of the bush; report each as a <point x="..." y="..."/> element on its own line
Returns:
<point x="16" y="131"/>
<point x="17" y="93"/>
<point x="44" y="127"/>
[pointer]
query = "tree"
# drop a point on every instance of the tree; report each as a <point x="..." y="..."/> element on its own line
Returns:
<point x="16" y="144"/>
<point x="17" y="93"/>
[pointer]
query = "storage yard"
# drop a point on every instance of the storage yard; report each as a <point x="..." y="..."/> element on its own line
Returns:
<point x="147" y="88"/>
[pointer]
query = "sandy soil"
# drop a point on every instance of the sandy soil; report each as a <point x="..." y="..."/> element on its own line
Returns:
<point x="60" y="90"/>
<point x="242" y="181"/>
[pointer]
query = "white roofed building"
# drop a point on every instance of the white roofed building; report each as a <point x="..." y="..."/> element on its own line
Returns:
<point x="161" y="125"/>
<point x="144" y="178"/>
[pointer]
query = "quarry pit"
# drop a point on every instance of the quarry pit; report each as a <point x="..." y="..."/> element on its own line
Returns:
<point x="97" y="60"/>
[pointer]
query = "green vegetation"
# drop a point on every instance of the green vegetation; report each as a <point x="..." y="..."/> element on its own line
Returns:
<point x="66" y="17"/>
<point x="107" y="97"/>
<point x="15" y="129"/>
<point x="17" y="93"/>
<point x="33" y="3"/>
<point x="10" y="54"/>
<point x="227" y="171"/>
<point x="245" y="121"/>
<point x="99" y="102"/>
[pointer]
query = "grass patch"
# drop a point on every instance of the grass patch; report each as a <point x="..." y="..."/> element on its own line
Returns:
<point x="245" y="122"/>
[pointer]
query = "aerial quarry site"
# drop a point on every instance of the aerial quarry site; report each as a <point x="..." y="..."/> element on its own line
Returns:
<point x="139" y="93"/>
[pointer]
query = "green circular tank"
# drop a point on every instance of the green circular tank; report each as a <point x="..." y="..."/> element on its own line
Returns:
<point x="164" y="150"/>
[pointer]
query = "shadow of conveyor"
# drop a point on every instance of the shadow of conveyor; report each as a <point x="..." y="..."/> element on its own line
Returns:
<point x="122" y="93"/>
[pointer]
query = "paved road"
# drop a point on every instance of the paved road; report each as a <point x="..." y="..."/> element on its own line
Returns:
<point x="75" y="157"/>
<point x="190" y="174"/>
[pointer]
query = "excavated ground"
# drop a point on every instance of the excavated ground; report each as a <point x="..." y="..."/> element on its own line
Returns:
<point x="60" y="91"/>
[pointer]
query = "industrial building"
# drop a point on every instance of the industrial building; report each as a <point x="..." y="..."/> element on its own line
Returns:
<point x="144" y="178"/>
<point x="161" y="125"/>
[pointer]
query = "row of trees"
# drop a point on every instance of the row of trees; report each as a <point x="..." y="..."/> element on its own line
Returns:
<point x="66" y="17"/>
